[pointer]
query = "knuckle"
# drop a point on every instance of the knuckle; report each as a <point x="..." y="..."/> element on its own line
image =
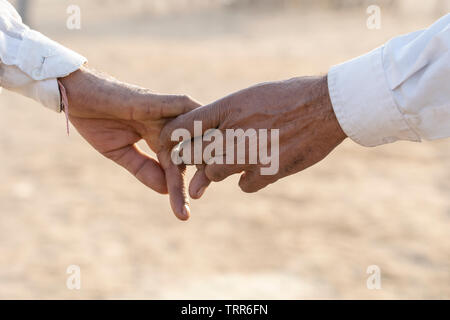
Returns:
<point x="184" y="99"/>
<point x="214" y="173"/>
<point x="247" y="187"/>
<point x="116" y="155"/>
<point x="254" y="184"/>
<point x="165" y="134"/>
<point x="216" y="177"/>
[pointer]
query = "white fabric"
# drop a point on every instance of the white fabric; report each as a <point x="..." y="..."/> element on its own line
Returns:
<point x="30" y="63"/>
<point x="400" y="91"/>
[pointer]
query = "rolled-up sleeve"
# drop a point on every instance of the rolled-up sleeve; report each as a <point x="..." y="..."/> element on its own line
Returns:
<point x="30" y="63"/>
<point x="400" y="91"/>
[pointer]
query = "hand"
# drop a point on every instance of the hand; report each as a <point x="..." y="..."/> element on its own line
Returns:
<point x="300" y="108"/>
<point x="113" y="117"/>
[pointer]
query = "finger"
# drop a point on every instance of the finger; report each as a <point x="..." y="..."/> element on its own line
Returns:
<point x="176" y="185"/>
<point x="208" y="116"/>
<point x="252" y="181"/>
<point x="201" y="149"/>
<point x="199" y="183"/>
<point x="211" y="172"/>
<point x="142" y="166"/>
<point x="164" y="106"/>
<point x="243" y="148"/>
<point x="174" y="105"/>
<point x="217" y="171"/>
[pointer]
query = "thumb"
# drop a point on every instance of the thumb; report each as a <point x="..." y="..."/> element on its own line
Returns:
<point x="195" y="122"/>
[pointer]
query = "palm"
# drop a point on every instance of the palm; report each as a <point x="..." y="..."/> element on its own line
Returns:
<point x="116" y="140"/>
<point x="113" y="116"/>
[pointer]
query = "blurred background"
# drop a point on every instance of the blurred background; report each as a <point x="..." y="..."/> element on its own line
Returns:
<point x="311" y="235"/>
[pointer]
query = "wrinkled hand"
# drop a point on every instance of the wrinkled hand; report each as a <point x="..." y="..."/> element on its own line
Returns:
<point x="300" y="108"/>
<point x="113" y="117"/>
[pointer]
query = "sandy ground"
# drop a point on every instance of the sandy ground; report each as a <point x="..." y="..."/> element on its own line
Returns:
<point x="312" y="235"/>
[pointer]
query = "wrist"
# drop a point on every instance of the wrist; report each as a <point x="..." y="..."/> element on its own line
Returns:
<point x="91" y="94"/>
<point x="78" y="89"/>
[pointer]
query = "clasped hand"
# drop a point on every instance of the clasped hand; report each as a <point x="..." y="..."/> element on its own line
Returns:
<point x="113" y="117"/>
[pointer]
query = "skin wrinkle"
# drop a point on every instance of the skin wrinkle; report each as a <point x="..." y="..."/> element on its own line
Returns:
<point x="117" y="155"/>
<point x="113" y="117"/>
<point x="140" y="169"/>
<point x="300" y="107"/>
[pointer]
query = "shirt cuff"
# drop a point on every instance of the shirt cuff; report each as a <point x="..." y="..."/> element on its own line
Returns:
<point x="45" y="60"/>
<point x="42" y="58"/>
<point x="44" y="91"/>
<point x="364" y="104"/>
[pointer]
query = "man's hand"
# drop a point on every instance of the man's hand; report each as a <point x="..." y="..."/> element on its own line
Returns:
<point x="300" y="108"/>
<point x="113" y="117"/>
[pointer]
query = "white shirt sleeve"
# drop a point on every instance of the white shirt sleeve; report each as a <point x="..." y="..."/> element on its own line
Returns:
<point x="30" y="63"/>
<point x="400" y="91"/>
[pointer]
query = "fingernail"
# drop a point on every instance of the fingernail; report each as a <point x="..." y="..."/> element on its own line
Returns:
<point x="201" y="192"/>
<point x="186" y="211"/>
